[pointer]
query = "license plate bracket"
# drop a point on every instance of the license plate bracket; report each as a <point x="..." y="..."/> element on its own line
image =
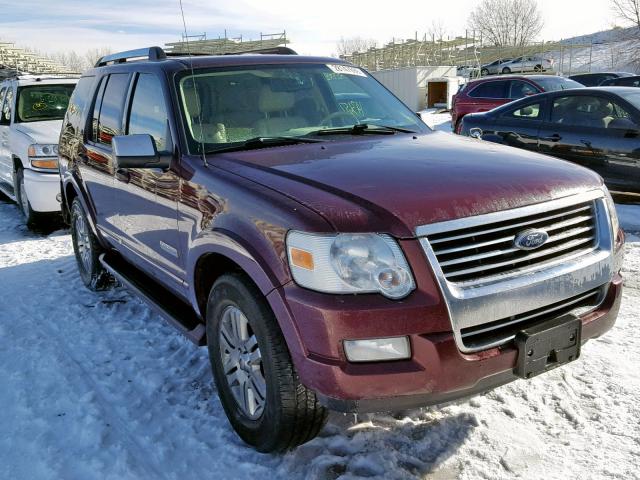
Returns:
<point x="548" y="345"/>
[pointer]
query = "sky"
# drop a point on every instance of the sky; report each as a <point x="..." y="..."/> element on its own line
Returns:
<point x="314" y="27"/>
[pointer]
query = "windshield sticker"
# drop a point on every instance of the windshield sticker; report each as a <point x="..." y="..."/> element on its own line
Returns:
<point x="346" y="70"/>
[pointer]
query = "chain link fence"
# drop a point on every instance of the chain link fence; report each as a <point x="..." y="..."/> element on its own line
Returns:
<point x="614" y="50"/>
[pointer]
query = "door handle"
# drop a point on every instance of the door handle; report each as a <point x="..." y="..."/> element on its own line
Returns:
<point x="553" y="138"/>
<point x="122" y="174"/>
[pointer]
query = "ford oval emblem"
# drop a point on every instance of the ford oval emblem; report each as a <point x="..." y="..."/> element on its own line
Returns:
<point x="530" y="239"/>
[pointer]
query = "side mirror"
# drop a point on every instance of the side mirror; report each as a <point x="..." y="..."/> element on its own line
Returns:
<point x="138" y="151"/>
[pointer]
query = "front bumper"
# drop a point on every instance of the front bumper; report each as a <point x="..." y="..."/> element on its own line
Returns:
<point x="42" y="189"/>
<point x="437" y="373"/>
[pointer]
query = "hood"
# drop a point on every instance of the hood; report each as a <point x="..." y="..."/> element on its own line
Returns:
<point x="395" y="183"/>
<point x="41" y="132"/>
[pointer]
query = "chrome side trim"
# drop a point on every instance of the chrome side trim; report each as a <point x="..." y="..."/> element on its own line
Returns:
<point x="534" y="287"/>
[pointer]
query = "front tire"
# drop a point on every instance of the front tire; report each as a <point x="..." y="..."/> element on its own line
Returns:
<point x="484" y="72"/>
<point x="87" y="250"/>
<point x="257" y="383"/>
<point x="30" y="216"/>
<point x="506" y="71"/>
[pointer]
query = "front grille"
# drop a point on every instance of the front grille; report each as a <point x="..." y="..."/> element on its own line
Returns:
<point x="476" y="253"/>
<point x="501" y="331"/>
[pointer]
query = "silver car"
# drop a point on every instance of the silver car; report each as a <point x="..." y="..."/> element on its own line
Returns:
<point x="527" y="63"/>
<point x="494" y="67"/>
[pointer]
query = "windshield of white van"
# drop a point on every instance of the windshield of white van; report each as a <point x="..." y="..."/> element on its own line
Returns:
<point x="43" y="102"/>
<point x="231" y="105"/>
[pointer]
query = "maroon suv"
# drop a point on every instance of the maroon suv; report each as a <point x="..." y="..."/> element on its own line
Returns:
<point x="488" y="93"/>
<point x="330" y="250"/>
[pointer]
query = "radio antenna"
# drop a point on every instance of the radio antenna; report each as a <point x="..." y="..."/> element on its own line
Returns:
<point x="195" y="87"/>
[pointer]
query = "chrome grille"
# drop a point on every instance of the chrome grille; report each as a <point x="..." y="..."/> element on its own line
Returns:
<point x="504" y="330"/>
<point x="474" y="253"/>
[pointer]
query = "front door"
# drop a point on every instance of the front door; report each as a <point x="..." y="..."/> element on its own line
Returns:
<point x="598" y="133"/>
<point x="147" y="198"/>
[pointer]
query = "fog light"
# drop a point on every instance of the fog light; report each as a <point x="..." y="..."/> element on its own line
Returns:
<point x="377" y="349"/>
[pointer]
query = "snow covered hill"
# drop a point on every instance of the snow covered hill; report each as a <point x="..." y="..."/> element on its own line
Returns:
<point x="96" y="386"/>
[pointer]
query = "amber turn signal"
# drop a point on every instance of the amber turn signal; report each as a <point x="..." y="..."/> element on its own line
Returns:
<point x="302" y="258"/>
<point x="50" y="164"/>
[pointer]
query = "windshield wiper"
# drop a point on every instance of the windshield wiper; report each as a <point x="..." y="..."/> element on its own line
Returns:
<point x="262" y="142"/>
<point x="363" y="129"/>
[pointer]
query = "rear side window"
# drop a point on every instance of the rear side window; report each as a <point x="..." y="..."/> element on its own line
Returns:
<point x="111" y="111"/>
<point x="489" y="90"/>
<point x="148" y="112"/>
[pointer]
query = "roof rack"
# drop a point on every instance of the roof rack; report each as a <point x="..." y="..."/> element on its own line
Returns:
<point x="151" y="53"/>
<point x="266" y="51"/>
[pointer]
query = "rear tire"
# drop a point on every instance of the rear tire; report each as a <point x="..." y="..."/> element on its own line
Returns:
<point x="87" y="251"/>
<point x="484" y="72"/>
<point x="257" y="383"/>
<point x="30" y="216"/>
<point x="538" y="68"/>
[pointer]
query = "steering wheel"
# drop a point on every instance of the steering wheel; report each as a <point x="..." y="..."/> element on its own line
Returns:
<point x="328" y="120"/>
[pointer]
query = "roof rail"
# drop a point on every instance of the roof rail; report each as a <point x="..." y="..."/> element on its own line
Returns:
<point x="152" y="53"/>
<point x="266" y="51"/>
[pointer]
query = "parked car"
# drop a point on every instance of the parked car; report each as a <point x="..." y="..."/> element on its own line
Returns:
<point x="595" y="79"/>
<point x="529" y="63"/>
<point x="31" y="115"/>
<point x="622" y="82"/>
<point x="494" y="67"/>
<point x="598" y="128"/>
<point x="468" y="71"/>
<point x="329" y="263"/>
<point x="487" y="93"/>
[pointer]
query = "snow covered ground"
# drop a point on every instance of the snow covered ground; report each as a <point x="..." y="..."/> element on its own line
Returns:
<point x="96" y="386"/>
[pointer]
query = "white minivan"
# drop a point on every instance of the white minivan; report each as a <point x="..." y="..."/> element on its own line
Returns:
<point x="32" y="109"/>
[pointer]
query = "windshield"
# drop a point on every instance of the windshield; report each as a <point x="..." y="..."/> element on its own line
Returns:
<point x="633" y="98"/>
<point x="43" y="102"/>
<point x="553" y="84"/>
<point x="233" y="105"/>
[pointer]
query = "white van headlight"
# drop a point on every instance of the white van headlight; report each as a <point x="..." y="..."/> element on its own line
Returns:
<point x="349" y="263"/>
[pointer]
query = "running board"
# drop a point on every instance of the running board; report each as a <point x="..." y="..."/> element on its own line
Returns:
<point x="7" y="190"/>
<point x="176" y="312"/>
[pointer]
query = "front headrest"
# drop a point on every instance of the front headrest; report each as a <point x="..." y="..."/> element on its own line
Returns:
<point x="191" y="99"/>
<point x="271" y="101"/>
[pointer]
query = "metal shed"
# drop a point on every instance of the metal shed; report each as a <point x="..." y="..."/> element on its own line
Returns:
<point x="411" y="84"/>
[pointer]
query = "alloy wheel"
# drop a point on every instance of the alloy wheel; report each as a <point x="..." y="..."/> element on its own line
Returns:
<point x="242" y="362"/>
<point x="83" y="242"/>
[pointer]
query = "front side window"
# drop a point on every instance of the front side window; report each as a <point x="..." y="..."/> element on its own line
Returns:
<point x="232" y="105"/>
<point x="531" y="111"/>
<point x="489" y="90"/>
<point x="148" y="113"/>
<point x="590" y="111"/>
<point x="555" y="84"/>
<point x="6" y="106"/>
<point x="112" y="108"/>
<point x="520" y="89"/>
<point x="37" y="103"/>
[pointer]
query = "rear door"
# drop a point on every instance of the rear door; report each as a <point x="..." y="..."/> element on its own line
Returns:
<point x="147" y="198"/>
<point x="597" y="131"/>
<point x="96" y="164"/>
<point x="486" y="96"/>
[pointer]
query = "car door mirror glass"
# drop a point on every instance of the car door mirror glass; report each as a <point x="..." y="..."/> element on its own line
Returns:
<point x="138" y="151"/>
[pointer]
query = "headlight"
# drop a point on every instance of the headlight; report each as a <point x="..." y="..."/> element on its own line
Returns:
<point x="613" y="215"/>
<point x="38" y="150"/>
<point x="43" y="156"/>
<point x="349" y="263"/>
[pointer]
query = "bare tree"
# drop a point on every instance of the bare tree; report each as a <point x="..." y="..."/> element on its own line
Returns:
<point x="347" y="46"/>
<point x="507" y="22"/>
<point x="437" y="30"/>
<point x="79" y="62"/>
<point x="95" y="54"/>
<point x="628" y="10"/>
